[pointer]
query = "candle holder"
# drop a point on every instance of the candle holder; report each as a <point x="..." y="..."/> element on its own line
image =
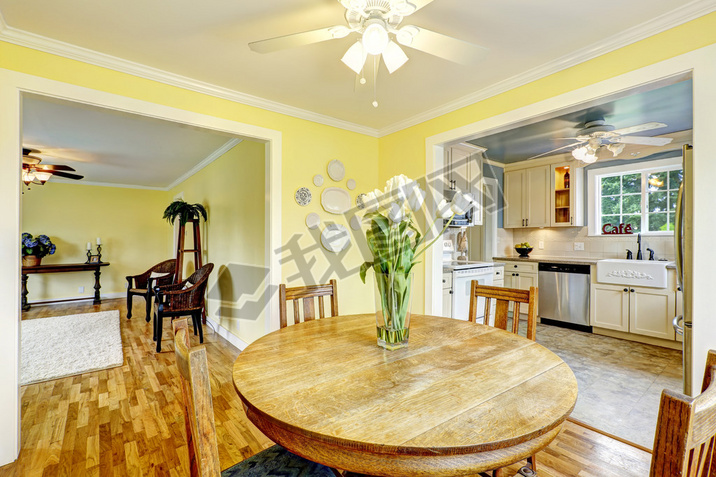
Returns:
<point x="99" y="253"/>
<point x="89" y="256"/>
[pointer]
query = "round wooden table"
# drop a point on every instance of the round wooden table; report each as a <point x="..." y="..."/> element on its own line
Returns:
<point x="460" y="399"/>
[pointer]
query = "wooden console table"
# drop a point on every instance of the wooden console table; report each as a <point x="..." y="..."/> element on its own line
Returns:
<point x="60" y="268"/>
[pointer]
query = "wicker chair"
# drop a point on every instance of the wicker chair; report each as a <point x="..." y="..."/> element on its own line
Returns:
<point x="161" y="274"/>
<point x="180" y="299"/>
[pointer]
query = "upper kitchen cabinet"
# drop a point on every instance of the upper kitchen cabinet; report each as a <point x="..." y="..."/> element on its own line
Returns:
<point x="567" y="199"/>
<point x="463" y="171"/>
<point x="527" y="197"/>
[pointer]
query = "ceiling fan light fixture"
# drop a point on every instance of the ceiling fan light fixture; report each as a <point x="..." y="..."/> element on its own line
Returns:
<point x="339" y="31"/>
<point x="42" y="176"/>
<point x="394" y="57"/>
<point x="355" y="5"/>
<point x="585" y="154"/>
<point x="355" y="57"/>
<point x="402" y="7"/>
<point x="406" y="35"/>
<point x="616" y="149"/>
<point x="375" y="37"/>
<point x="27" y="176"/>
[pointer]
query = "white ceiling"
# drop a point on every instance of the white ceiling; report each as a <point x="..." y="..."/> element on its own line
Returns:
<point x="208" y="41"/>
<point x="116" y="148"/>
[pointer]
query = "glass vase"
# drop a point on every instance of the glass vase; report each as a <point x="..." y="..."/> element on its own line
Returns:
<point x="392" y="309"/>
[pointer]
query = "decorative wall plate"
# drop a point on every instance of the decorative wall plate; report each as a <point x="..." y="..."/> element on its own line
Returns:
<point x="360" y="201"/>
<point x="335" y="238"/>
<point x="355" y="222"/>
<point x="318" y="180"/>
<point x="303" y="196"/>
<point x="313" y="220"/>
<point x="335" y="200"/>
<point x="336" y="170"/>
<point x="351" y="184"/>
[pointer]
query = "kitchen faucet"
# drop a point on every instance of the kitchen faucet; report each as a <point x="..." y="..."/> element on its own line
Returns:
<point x="629" y="255"/>
<point x="651" y="253"/>
<point x="639" y="255"/>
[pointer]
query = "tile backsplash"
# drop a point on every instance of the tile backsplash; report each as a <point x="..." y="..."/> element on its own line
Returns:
<point x="560" y="242"/>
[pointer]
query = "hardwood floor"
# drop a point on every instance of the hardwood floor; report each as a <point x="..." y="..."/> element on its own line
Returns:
<point x="127" y="421"/>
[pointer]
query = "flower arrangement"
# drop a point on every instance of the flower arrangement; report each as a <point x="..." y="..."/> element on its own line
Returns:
<point x="38" y="246"/>
<point x="393" y="240"/>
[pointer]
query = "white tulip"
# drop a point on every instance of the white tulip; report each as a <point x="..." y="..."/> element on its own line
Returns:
<point x="416" y="196"/>
<point x="395" y="186"/>
<point x="372" y="200"/>
<point x="461" y="203"/>
<point x="444" y="210"/>
<point x="396" y="213"/>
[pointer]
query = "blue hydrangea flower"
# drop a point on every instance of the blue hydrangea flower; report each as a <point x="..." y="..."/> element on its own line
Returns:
<point x="44" y="239"/>
<point x="32" y="243"/>
<point x="52" y="249"/>
<point x="26" y="235"/>
<point x="27" y="241"/>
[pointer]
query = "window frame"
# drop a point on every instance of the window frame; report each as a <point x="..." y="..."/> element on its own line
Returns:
<point x="594" y="193"/>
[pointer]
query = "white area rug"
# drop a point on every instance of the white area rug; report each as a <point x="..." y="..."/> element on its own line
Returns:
<point x="62" y="346"/>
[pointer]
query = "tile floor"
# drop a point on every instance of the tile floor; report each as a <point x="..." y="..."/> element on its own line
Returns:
<point x="620" y="382"/>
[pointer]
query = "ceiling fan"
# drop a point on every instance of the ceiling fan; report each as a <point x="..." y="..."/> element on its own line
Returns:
<point x="597" y="134"/>
<point x="35" y="173"/>
<point x="376" y="21"/>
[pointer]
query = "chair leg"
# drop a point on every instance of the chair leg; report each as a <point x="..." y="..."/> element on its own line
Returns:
<point x="197" y="324"/>
<point x="498" y="473"/>
<point x="129" y="305"/>
<point x="149" y="308"/>
<point x="532" y="461"/>
<point x="158" y="331"/>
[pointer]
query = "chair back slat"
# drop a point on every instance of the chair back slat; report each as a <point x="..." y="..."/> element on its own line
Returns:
<point x="303" y="301"/>
<point x="198" y="407"/>
<point x="686" y="431"/>
<point x="503" y="297"/>
<point x="488" y="303"/>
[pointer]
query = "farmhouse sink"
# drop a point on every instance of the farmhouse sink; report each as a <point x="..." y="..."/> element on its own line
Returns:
<point x="640" y="273"/>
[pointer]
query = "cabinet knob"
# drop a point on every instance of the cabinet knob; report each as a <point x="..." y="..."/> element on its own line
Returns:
<point x="451" y="292"/>
<point x="632" y="290"/>
<point x="626" y="290"/>
<point x="678" y="288"/>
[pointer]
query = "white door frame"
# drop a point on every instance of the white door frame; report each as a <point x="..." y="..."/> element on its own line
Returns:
<point x="702" y="64"/>
<point x="12" y="86"/>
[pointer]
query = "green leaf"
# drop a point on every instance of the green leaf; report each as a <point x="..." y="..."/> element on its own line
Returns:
<point x="364" y="268"/>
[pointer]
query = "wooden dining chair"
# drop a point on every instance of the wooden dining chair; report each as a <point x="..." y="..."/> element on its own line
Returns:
<point x="686" y="431"/>
<point x="201" y="430"/>
<point x="503" y="297"/>
<point x="306" y="295"/>
<point x="143" y="284"/>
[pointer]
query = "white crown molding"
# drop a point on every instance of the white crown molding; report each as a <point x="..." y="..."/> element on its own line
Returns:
<point x="73" y="52"/>
<point x="681" y="15"/>
<point x="226" y="147"/>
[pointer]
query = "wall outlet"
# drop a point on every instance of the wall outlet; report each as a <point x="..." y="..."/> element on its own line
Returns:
<point x="541" y="244"/>
<point x="81" y="289"/>
<point x="578" y="245"/>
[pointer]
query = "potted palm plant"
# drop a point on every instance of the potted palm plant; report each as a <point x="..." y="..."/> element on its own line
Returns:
<point x="185" y="211"/>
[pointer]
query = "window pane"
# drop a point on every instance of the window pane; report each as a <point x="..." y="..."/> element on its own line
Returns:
<point x="675" y="178"/>
<point x="612" y="220"/>
<point x="672" y="221"/>
<point x="657" y="222"/>
<point x="631" y="204"/>
<point x="610" y="205"/>
<point x="610" y="185"/>
<point x="657" y="181"/>
<point x="631" y="183"/>
<point x="673" y="197"/>
<point x="657" y="202"/>
<point x="634" y="220"/>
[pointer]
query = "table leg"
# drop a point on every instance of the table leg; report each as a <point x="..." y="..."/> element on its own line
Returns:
<point x="25" y="304"/>
<point x="97" y="300"/>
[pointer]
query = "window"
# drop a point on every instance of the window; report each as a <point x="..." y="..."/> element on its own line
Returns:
<point x="644" y="200"/>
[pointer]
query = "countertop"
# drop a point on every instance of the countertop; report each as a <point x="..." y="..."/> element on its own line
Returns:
<point x="558" y="259"/>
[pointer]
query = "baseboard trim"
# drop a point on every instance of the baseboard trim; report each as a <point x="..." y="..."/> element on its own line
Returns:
<point x="606" y="434"/>
<point x="227" y="335"/>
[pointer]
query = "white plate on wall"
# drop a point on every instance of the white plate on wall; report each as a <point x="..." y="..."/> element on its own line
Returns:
<point x="335" y="238"/>
<point x="355" y="222"/>
<point x="336" y="170"/>
<point x="318" y="180"/>
<point x="313" y="220"/>
<point x="351" y="184"/>
<point x="303" y="196"/>
<point x="335" y="200"/>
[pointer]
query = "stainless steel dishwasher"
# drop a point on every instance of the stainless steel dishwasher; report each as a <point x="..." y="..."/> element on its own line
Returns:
<point x="564" y="295"/>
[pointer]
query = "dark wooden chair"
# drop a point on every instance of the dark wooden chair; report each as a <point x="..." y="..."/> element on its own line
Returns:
<point x="201" y="430"/>
<point x="307" y="294"/>
<point x="181" y="299"/>
<point x="686" y="431"/>
<point x="160" y="274"/>
<point x="503" y="297"/>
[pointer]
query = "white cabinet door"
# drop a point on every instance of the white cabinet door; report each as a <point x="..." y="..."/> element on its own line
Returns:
<point x="650" y="312"/>
<point x="513" y="217"/>
<point x="526" y="280"/>
<point x="679" y="311"/>
<point x="610" y="307"/>
<point x="536" y="203"/>
<point x="447" y="302"/>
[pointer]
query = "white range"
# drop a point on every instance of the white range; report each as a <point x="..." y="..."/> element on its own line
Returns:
<point x="457" y="281"/>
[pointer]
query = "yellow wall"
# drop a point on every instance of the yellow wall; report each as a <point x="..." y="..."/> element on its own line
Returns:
<point x="404" y="151"/>
<point x="127" y="220"/>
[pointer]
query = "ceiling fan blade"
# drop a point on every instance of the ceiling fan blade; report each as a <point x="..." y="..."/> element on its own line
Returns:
<point x="419" y="3"/>
<point x="296" y="39"/>
<point x="53" y="167"/>
<point x="555" y="150"/>
<point x="639" y="128"/>
<point x="66" y="175"/>
<point x="643" y="140"/>
<point x="447" y="47"/>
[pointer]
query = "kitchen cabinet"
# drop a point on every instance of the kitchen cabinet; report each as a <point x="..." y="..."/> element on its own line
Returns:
<point x="639" y="310"/>
<point x="567" y="201"/>
<point x="463" y="171"/>
<point x="527" y="197"/>
<point x="679" y="297"/>
<point x="521" y="275"/>
<point x="447" y="294"/>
